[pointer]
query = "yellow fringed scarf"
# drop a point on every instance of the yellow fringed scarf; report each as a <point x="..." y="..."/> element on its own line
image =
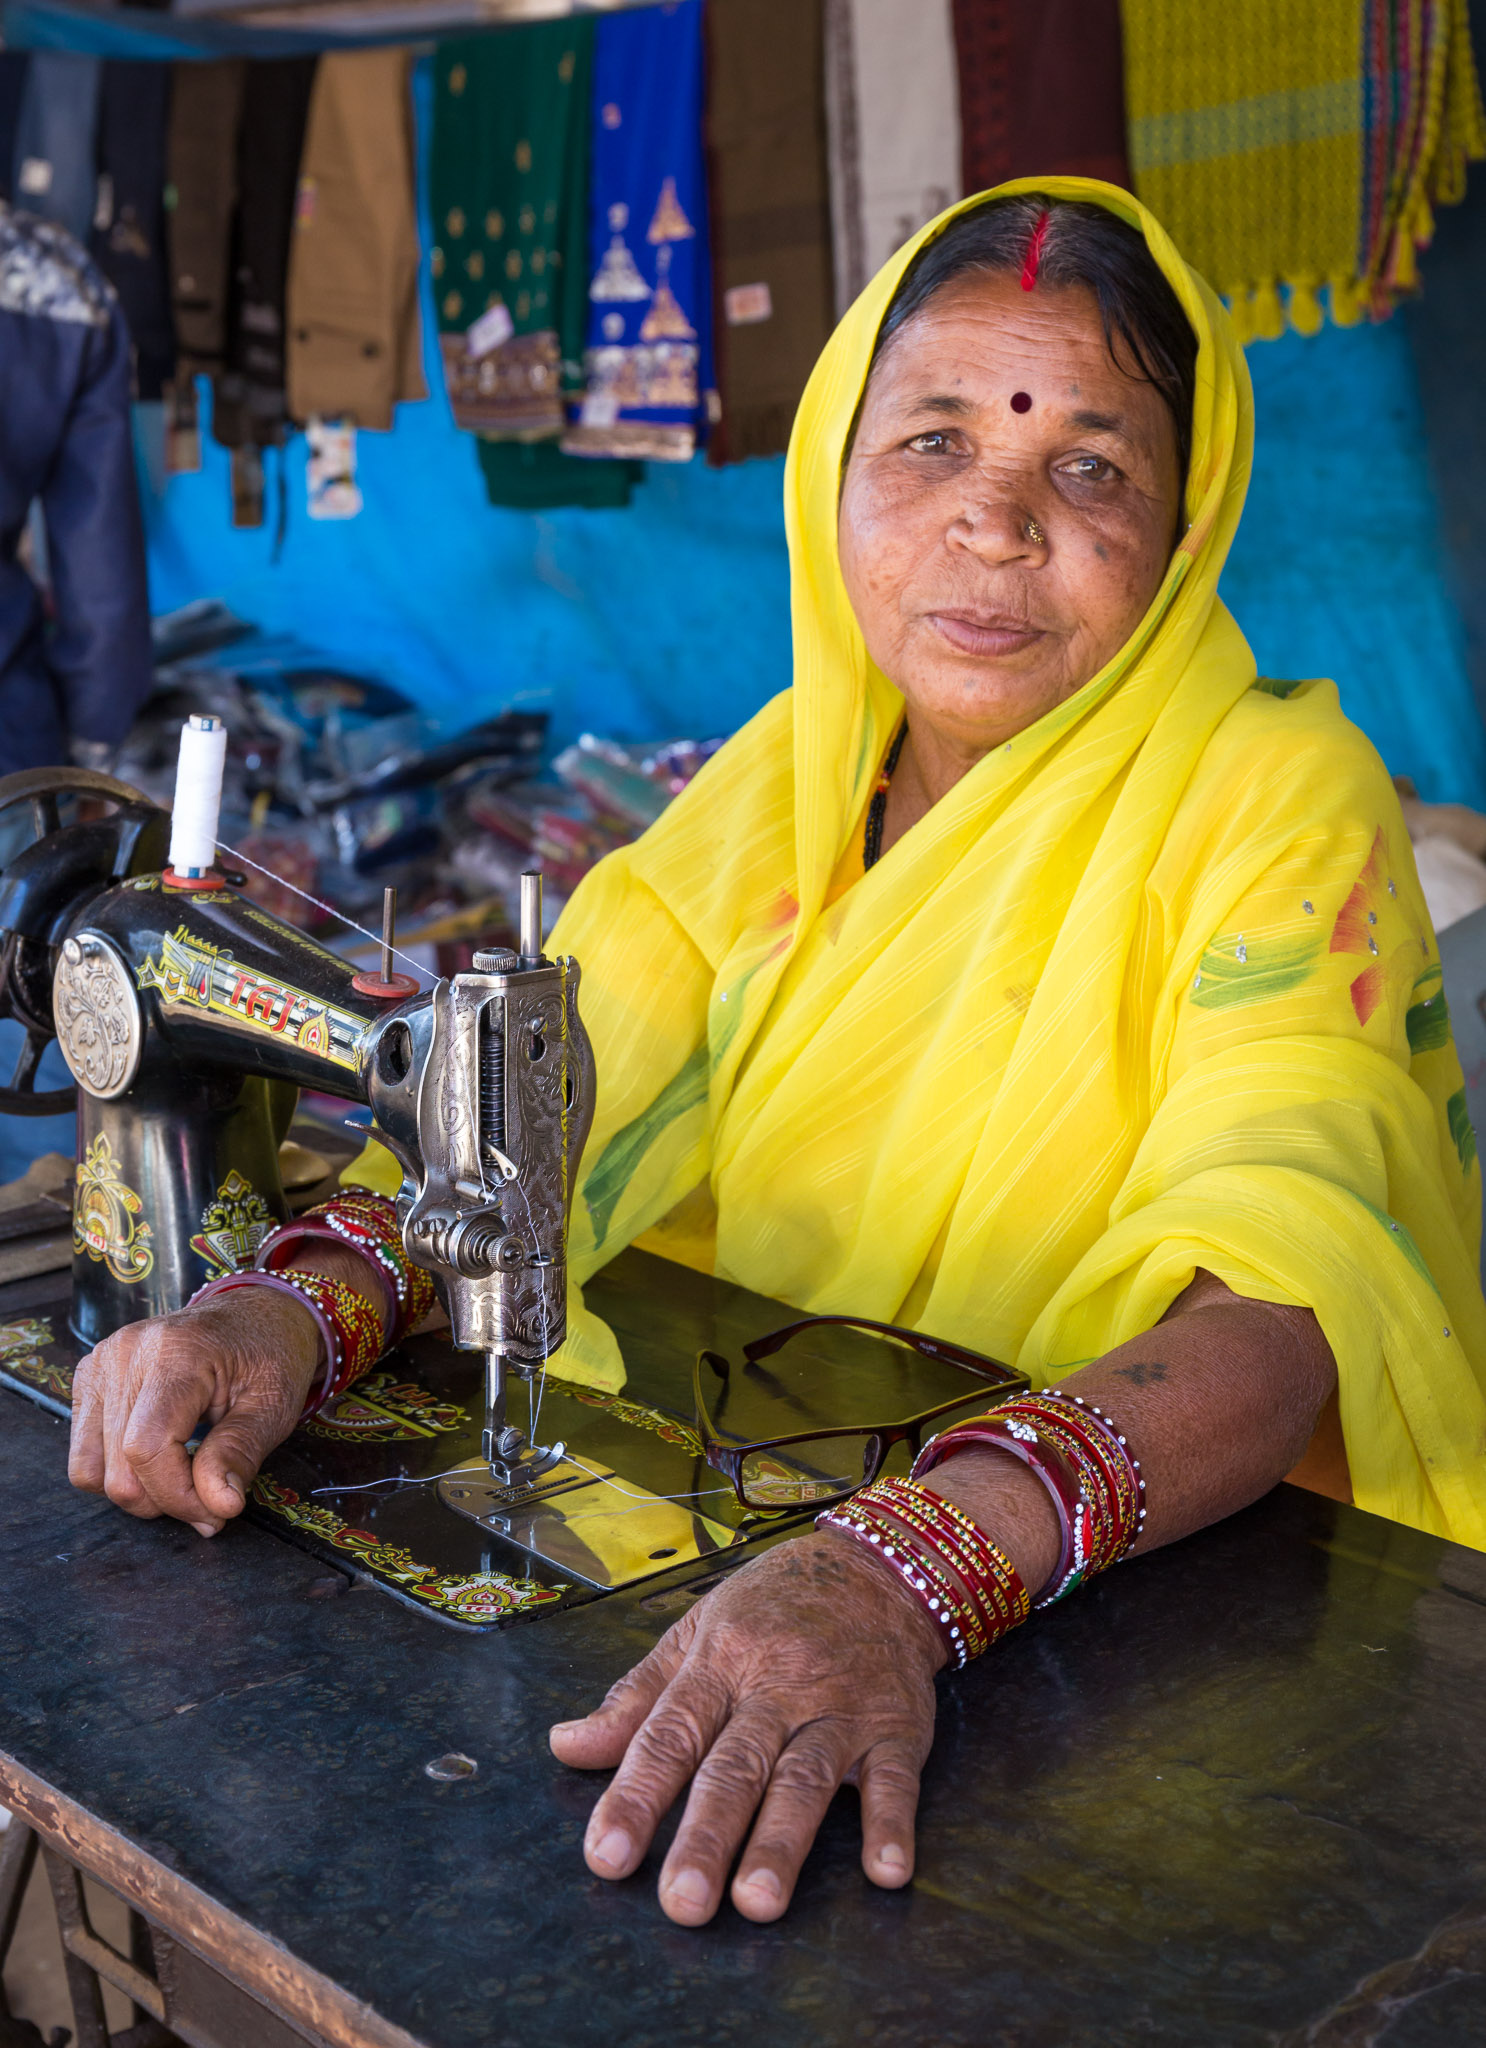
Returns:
<point x="1300" y="148"/>
<point x="1152" y="988"/>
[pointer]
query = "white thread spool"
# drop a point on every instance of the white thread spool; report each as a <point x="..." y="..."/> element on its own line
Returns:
<point x="198" y="796"/>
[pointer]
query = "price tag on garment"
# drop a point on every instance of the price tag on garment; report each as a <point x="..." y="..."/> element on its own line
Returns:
<point x="494" y="326"/>
<point x="747" y="304"/>
<point x="330" y="472"/>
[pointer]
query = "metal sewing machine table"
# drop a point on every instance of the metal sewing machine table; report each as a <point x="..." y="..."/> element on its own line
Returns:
<point x="1229" y="1794"/>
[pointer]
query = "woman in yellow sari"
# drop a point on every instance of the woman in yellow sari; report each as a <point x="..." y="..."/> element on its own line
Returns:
<point x="1030" y="973"/>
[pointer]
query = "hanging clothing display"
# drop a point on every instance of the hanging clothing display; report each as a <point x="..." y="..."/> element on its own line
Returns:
<point x="648" y="364"/>
<point x="535" y="476"/>
<point x="13" y="67"/>
<point x="893" y="119"/>
<point x="507" y="191"/>
<point x="771" y="215"/>
<point x="355" y="347"/>
<point x="70" y="686"/>
<point x="1300" y="149"/>
<point x="201" y="199"/>
<point x="55" y="174"/>
<point x="250" y="402"/>
<point x="1042" y="90"/>
<point x="129" y="236"/>
<point x="1421" y="124"/>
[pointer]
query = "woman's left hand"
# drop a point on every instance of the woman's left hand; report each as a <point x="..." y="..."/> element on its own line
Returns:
<point x="808" y="1669"/>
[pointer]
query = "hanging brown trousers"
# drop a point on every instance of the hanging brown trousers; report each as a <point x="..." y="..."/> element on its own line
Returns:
<point x="354" y="341"/>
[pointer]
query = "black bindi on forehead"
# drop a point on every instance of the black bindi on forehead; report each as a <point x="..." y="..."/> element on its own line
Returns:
<point x="1021" y="401"/>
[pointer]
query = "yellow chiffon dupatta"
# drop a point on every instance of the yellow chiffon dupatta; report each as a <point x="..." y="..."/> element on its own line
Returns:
<point x="1152" y="989"/>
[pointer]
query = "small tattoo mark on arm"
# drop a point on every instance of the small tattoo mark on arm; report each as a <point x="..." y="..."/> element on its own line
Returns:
<point x="1142" y="1375"/>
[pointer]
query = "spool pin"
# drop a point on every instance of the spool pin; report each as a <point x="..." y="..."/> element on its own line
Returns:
<point x="386" y="986"/>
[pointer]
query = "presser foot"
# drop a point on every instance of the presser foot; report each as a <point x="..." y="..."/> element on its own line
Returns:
<point x="585" y="1521"/>
<point x="527" y="1474"/>
<point x="514" y="1463"/>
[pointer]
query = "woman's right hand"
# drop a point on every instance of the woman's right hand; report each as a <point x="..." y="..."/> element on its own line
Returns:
<point x="243" y="1362"/>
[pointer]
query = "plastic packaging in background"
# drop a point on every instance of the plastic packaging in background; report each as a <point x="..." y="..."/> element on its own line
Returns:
<point x="293" y="857"/>
<point x="631" y="786"/>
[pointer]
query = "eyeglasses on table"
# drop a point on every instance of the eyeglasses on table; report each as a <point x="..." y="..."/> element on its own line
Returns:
<point x="813" y="1467"/>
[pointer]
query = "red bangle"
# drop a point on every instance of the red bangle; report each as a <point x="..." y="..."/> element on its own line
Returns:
<point x="350" y="1328"/>
<point x="1049" y="1465"/>
<point x="945" y="1531"/>
<point x="965" y="1581"/>
<point x="1102" y="1441"/>
<point x="1109" y="1477"/>
<point x="1083" y="1462"/>
<point x="367" y="1223"/>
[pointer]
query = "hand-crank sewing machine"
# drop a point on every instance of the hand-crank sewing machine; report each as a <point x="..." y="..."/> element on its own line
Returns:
<point x="190" y="1017"/>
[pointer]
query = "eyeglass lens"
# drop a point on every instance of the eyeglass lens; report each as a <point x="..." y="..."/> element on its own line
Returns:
<point x="793" y="1475"/>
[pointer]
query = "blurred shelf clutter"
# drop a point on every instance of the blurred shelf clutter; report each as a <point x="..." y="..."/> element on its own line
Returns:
<point x="639" y="223"/>
<point x="336" y="785"/>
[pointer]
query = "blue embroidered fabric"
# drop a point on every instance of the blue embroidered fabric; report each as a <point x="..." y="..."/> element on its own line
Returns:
<point x="648" y="357"/>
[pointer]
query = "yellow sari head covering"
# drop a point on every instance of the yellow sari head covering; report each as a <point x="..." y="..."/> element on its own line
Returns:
<point x="1153" y="988"/>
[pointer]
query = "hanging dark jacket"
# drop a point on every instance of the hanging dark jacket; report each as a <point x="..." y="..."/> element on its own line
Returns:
<point x="201" y="200"/>
<point x="250" y="403"/>
<point x="56" y="131"/>
<point x="76" y="683"/>
<point x="129" y="220"/>
<point x="14" y="65"/>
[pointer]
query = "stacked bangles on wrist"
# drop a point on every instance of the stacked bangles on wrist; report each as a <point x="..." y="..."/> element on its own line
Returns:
<point x="354" y="1331"/>
<point x="967" y="1583"/>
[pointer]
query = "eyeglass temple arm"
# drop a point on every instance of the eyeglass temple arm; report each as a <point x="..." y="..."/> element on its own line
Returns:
<point x="930" y="1347"/>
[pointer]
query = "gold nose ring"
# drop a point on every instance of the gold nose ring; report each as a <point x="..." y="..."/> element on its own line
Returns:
<point x="1035" y="534"/>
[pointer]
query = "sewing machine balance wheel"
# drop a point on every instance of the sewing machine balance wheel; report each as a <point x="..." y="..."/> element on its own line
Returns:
<point x="27" y="958"/>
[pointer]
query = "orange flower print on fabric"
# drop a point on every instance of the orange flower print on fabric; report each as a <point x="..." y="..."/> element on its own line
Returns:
<point x="1355" y="930"/>
<point x="786" y="909"/>
<point x="1368" y="990"/>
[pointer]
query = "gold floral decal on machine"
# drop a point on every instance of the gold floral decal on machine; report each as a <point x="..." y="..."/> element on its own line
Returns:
<point x="192" y="973"/>
<point x="232" y="1227"/>
<point x="477" y="1597"/>
<point x="385" y="1409"/>
<point x="639" y="1415"/>
<point x="23" y="1345"/>
<point x="106" y="1221"/>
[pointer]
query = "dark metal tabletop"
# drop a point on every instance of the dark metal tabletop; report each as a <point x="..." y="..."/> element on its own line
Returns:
<point x="1231" y="1794"/>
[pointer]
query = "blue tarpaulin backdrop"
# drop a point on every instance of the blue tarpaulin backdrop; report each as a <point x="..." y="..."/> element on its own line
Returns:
<point x="673" y="616"/>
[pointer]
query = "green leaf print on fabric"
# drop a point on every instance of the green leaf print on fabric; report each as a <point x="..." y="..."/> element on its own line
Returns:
<point x="1428" y="1021"/>
<point x="616" y="1164"/>
<point x="1273" y="688"/>
<point x="1236" y="970"/>
<point x="1462" y="1130"/>
<point x="1396" y="1231"/>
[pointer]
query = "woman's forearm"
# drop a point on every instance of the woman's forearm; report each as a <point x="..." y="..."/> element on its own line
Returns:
<point x="1218" y="1403"/>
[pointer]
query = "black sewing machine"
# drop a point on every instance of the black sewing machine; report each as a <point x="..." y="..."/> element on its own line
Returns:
<point x="190" y="1018"/>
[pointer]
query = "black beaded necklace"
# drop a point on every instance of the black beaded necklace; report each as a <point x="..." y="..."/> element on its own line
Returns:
<point x="877" y="809"/>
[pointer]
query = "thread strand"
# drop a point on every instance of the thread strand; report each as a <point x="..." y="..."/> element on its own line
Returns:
<point x="329" y="908"/>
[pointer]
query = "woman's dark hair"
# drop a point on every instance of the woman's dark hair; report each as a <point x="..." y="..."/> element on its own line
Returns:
<point x="1147" y="333"/>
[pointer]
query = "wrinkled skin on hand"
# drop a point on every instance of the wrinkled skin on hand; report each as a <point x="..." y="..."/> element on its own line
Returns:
<point x="243" y="1362"/>
<point x="810" y="1668"/>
